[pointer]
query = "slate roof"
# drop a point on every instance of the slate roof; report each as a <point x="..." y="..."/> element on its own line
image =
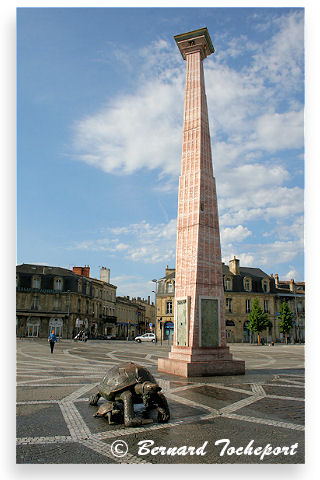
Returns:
<point x="47" y="270"/>
<point x="43" y="270"/>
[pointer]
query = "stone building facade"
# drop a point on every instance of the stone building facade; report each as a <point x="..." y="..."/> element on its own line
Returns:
<point x="165" y="305"/>
<point x="53" y="298"/>
<point x="241" y="286"/>
<point x="133" y="317"/>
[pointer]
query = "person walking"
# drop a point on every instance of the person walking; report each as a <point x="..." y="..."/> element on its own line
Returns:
<point x="52" y="340"/>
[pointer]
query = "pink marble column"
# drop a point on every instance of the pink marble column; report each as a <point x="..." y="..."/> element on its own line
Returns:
<point x="199" y="346"/>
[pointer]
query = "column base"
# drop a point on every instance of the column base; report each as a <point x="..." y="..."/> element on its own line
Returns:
<point x="201" y="369"/>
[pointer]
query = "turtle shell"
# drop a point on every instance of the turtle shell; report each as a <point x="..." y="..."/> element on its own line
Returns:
<point x="123" y="376"/>
<point x="104" y="409"/>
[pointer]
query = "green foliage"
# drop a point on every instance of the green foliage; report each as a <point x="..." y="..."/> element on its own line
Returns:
<point x="258" y="320"/>
<point x="286" y="318"/>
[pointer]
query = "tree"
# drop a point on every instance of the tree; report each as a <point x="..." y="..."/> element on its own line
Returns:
<point x="286" y="319"/>
<point x="258" y="320"/>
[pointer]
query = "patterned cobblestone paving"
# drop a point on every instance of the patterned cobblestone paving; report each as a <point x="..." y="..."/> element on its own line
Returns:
<point x="55" y="424"/>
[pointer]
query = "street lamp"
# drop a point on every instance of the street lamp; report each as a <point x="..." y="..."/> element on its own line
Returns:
<point x="68" y="326"/>
<point x="155" y="303"/>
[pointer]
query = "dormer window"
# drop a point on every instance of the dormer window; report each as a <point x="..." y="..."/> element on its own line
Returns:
<point x="58" y="284"/>
<point x="170" y="287"/>
<point x="36" y="282"/>
<point x="247" y="284"/>
<point x="265" y="286"/>
<point x="228" y="283"/>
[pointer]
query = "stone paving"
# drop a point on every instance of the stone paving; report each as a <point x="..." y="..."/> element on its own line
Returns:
<point x="55" y="423"/>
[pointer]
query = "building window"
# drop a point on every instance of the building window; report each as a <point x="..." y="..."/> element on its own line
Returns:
<point x="247" y="284"/>
<point x="228" y="283"/>
<point x="79" y="286"/>
<point x="58" y="284"/>
<point x="87" y="306"/>
<point x="248" y="306"/>
<point x="170" y="287"/>
<point x="300" y="307"/>
<point x="36" y="282"/>
<point x="169" y="307"/>
<point x="35" y="303"/>
<point x="265" y="286"/>
<point x="266" y="306"/>
<point x="57" y="303"/>
<point x="230" y="323"/>
<point x="229" y="304"/>
<point x="33" y="328"/>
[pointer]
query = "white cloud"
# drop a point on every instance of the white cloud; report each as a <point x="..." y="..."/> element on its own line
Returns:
<point x="143" y="129"/>
<point x="277" y="131"/>
<point x="262" y="255"/>
<point x="236" y="234"/>
<point x="246" y="259"/>
<point x="280" y="58"/>
<point x="139" y="242"/>
<point x="293" y="273"/>
<point x="134" y="132"/>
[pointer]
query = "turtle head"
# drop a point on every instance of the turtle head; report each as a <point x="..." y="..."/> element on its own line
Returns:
<point x="147" y="390"/>
<point x="149" y="387"/>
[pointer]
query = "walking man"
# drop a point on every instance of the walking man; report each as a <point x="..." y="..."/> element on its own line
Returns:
<point x="52" y="340"/>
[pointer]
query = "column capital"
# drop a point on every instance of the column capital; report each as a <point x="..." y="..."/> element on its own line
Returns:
<point x="195" y="41"/>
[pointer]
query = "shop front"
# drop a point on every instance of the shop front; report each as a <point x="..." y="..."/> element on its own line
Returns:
<point x="56" y="326"/>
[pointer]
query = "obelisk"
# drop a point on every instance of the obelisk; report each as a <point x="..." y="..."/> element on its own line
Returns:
<point x="199" y="345"/>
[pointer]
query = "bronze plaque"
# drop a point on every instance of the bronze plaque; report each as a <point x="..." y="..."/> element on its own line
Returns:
<point x="209" y="322"/>
<point x="182" y="333"/>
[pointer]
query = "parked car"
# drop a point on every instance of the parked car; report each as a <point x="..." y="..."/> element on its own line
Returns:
<point x="147" y="337"/>
<point x="104" y="337"/>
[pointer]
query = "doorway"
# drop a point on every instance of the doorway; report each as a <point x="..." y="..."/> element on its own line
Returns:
<point x="32" y="330"/>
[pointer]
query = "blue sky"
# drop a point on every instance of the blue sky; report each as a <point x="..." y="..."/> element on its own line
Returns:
<point x="100" y="107"/>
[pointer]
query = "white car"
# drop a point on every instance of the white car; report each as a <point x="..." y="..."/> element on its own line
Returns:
<point x="147" y="337"/>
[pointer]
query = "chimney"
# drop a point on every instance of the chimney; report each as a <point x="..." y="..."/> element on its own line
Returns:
<point x="271" y="275"/>
<point x="84" y="271"/>
<point x="148" y="299"/>
<point x="291" y="285"/>
<point x="234" y="266"/>
<point x="276" y="278"/>
<point x="105" y="274"/>
<point x="169" y="270"/>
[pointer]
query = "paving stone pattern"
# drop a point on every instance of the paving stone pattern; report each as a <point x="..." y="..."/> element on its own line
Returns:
<point x="55" y="424"/>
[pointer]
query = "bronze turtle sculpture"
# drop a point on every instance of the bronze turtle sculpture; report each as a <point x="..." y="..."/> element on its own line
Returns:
<point x="130" y="384"/>
<point x="109" y="410"/>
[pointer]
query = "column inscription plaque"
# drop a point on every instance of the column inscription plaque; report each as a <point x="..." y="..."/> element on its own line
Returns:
<point x="209" y="322"/>
<point x="182" y="322"/>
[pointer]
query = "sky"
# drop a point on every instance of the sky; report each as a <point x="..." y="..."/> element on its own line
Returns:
<point x="100" y="95"/>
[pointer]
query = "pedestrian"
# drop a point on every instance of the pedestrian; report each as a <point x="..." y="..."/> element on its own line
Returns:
<point x="52" y="340"/>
